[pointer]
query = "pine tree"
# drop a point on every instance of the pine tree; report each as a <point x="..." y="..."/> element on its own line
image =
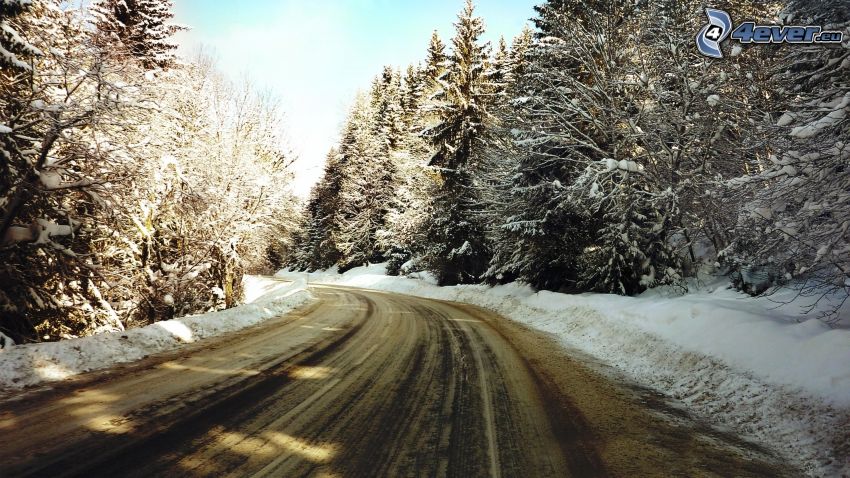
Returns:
<point x="367" y="181"/>
<point x="555" y="18"/>
<point x="14" y="49"/>
<point x="412" y="183"/>
<point x="411" y="96"/>
<point x="500" y="71"/>
<point x="16" y="88"/>
<point x="316" y="245"/>
<point x="346" y="219"/>
<point x="141" y="26"/>
<point x="577" y="189"/>
<point x="519" y="51"/>
<point x="631" y="251"/>
<point x="435" y="62"/>
<point x="540" y="232"/>
<point x="456" y="251"/>
<point x="388" y="111"/>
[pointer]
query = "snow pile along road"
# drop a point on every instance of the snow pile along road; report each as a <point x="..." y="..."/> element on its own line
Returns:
<point x="33" y="364"/>
<point x="739" y="362"/>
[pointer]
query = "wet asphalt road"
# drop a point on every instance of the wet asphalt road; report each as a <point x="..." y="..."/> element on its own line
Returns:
<point x="361" y="384"/>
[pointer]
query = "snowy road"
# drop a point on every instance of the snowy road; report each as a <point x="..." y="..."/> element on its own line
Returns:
<point x="364" y="383"/>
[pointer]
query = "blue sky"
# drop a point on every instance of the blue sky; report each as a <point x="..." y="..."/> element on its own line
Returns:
<point x="315" y="54"/>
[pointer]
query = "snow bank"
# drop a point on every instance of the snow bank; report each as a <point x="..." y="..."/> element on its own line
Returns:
<point x="32" y="364"/>
<point x="736" y="361"/>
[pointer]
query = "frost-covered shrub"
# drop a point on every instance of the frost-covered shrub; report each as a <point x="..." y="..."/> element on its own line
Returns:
<point x="798" y="218"/>
<point x="127" y="195"/>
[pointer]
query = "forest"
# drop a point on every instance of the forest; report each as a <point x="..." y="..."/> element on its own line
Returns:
<point x="134" y="187"/>
<point x="597" y="151"/>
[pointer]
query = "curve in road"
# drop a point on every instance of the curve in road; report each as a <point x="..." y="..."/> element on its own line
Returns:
<point x="362" y="384"/>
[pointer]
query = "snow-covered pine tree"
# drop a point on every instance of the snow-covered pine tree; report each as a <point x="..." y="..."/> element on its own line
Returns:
<point x="347" y="218"/>
<point x="15" y="139"/>
<point x="408" y="209"/>
<point x="316" y="243"/>
<point x="15" y="88"/>
<point x="367" y="181"/>
<point x="15" y="50"/>
<point x="435" y="61"/>
<point x="500" y="71"/>
<point x="143" y="27"/>
<point x="412" y="185"/>
<point x="387" y="105"/>
<point x="411" y="95"/>
<point x="577" y="208"/>
<point x="632" y="250"/>
<point x="555" y="15"/>
<point x="535" y="154"/>
<point x="455" y="249"/>
<point x="519" y="50"/>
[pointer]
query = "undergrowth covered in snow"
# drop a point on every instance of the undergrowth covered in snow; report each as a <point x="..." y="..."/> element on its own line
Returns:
<point x="32" y="364"/>
<point x="739" y="362"/>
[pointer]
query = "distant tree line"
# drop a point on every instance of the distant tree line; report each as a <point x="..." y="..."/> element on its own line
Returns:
<point x="599" y="152"/>
<point x="133" y="187"/>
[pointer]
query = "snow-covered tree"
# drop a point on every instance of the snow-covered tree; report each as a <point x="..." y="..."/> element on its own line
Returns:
<point x="601" y="152"/>
<point x="346" y="221"/>
<point x="57" y="119"/>
<point x="500" y="71"/>
<point x="126" y="198"/>
<point x="519" y="51"/>
<point x="214" y="198"/>
<point x="315" y="243"/>
<point x="538" y="232"/>
<point x="412" y="190"/>
<point x="456" y="250"/>
<point x="631" y="251"/>
<point x="142" y="27"/>
<point x="410" y="95"/>
<point x="435" y="61"/>
<point x="387" y="104"/>
<point x="797" y="224"/>
<point x="15" y="50"/>
<point x="576" y="204"/>
<point x="696" y="116"/>
<point x="368" y="175"/>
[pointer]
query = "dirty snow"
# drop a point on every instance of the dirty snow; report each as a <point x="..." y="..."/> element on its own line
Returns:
<point x="738" y="362"/>
<point x="32" y="364"/>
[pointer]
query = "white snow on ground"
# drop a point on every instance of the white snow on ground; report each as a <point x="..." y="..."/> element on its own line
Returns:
<point x="735" y="361"/>
<point x="33" y="364"/>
